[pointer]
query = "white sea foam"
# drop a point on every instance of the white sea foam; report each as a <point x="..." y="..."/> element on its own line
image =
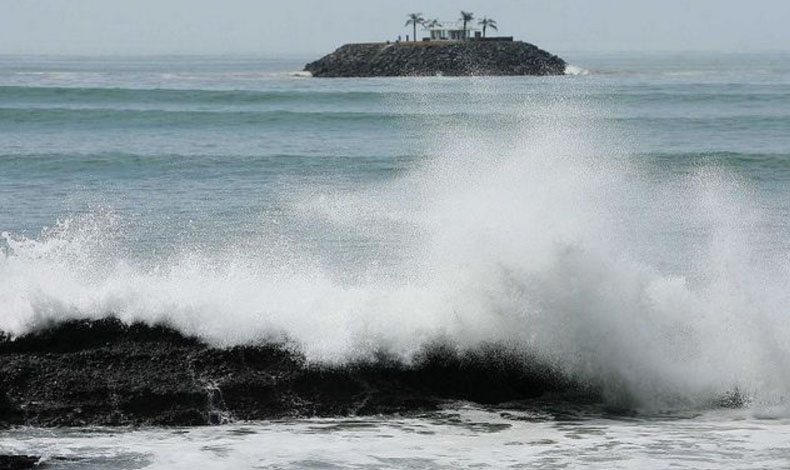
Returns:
<point x="463" y="438"/>
<point x="575" y="70"/>
<point x="553" y="242"/>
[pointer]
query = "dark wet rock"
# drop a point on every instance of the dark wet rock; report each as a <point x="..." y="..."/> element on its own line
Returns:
<point x="18" y="462"/>
<point x="107" y="373"/>
<point x="437" y="58"/>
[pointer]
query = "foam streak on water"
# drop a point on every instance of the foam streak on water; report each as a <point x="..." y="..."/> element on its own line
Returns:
<point x="463" y="438"/>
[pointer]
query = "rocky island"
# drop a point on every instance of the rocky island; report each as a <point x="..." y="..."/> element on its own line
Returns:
<point x="432" y="58"/>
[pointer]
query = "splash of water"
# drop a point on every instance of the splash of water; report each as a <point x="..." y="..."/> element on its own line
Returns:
<point x="645" y="284"/>
<point x="575" y="70"/>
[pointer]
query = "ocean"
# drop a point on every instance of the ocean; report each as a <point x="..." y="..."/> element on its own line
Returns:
<point x="627" y="223"/>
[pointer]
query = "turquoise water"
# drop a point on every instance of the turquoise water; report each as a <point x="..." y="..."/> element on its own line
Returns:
<point x="209" y="141"/>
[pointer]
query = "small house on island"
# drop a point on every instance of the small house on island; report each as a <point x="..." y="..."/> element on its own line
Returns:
<point x="459" y="30"/>
<point x="451" y="31"/>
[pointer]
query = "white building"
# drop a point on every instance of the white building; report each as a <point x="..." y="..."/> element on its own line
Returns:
<point x="452" y="31"/>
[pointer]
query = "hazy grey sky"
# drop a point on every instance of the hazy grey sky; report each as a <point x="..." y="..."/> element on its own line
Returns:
<point x="316" y="26"/>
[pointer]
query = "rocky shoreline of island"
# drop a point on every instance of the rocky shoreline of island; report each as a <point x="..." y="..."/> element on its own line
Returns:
<point x="438" y="58"/>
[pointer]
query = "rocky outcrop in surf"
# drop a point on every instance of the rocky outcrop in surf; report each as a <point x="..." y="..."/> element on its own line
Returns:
<point x="18" y="462"/>
<point x="437" y="58"/>
<point x="104" y="372"/>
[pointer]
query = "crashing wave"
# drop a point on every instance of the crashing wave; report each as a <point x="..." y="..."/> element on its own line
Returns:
<point x="555" y="244"/>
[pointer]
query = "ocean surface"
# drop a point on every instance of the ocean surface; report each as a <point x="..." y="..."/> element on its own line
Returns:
<point x="627" y="223"/>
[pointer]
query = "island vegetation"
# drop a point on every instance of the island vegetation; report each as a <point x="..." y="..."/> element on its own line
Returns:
<point x="415" y="19"/>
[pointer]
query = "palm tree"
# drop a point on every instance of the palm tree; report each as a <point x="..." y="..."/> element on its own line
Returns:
<point x="431" y="24"/>
<point x="466" y="16"/>
<point x="414" y="20"/>
<point x="487" y="23"/>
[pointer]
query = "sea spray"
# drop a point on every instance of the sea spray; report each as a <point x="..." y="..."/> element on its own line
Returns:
<point x="575" y="70"/>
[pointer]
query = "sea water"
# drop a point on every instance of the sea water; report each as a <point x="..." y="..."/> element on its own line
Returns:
<point x="627" y="223"/>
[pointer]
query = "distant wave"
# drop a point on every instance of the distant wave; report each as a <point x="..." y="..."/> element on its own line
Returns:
<point x="52" y="95"/>
<point x="70" y="161"/>
<point x="119" y="117"/>
<point x="106" y="117"/>
<point x="65" y="163"/>
<point x="175" y="99"/>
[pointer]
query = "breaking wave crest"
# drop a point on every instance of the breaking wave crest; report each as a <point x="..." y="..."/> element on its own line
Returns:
<point x="652" y="286"/>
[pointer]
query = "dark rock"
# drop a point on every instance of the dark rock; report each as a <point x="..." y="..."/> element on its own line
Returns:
<point x="107" y="373"/>
<point x="437" y="58"/>
<point x="18" y="462"/>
